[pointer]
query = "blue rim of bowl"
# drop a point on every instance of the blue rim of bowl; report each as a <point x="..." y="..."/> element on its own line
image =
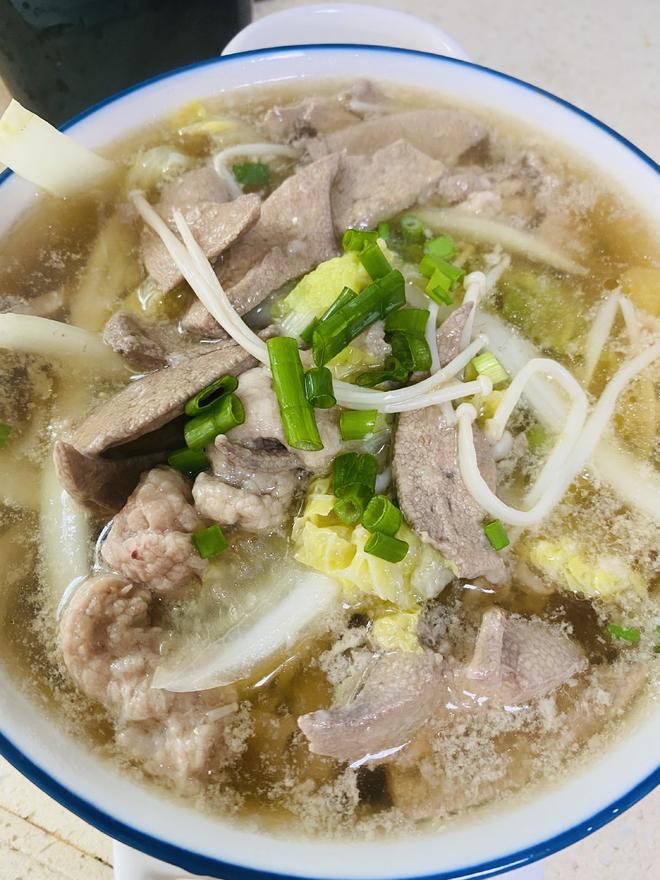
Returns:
<point x="197" y="863"/>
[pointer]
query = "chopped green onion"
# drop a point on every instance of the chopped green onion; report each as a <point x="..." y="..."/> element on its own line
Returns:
<point x="386" y="547"/>
<point x="537" y="437"/>
<point x="318" y="387"/>
<point x="412" y="228"/>
<point x="375" y="261"/>
<point x="487" y="364"/>
<point x="430" y="266"/>
<point x="297" y="413"/>
<point x="496" y="534"/>
<point x="357" y="239"/>
<point x="353" y="469"/>
<point x="225" y="414"/>
<point x="189" y="461"/>
<point x="351" y="506"/>
<point x="210" y="542"/>
<point x="438" y="289"/>
<point x="382" y="516"/>
<point x="5" y="431"/>
<point x="631" y="634"/>
<point x="344" y="297"/>
<point x="410" y="351"/>
<point x="442" y="247"/>
<point x="252" y="173"/>
<point x="383" y="231"/>
<point x="357" y="424"/>
<point x="205" y="399"/>
<point x="412" y="322"/>
<point x="374" y="303"/>
<point x="392" y="371"/>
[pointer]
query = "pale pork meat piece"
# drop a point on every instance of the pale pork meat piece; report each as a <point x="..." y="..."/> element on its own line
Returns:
<point x="249" y="488"/>
<point x="450" y="332"/>
<point x="517" y="660"/>
<point x="399" y="695"/>
<point x="307" y="118"/>
<point x="111" y="649"/>
<point x="149" y="541"/>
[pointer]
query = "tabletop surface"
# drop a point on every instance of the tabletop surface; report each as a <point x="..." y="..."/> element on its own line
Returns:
<point x="604" y="56"/>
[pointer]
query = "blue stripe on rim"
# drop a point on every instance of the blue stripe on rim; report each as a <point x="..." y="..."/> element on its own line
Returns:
<point x="199" y="864"/>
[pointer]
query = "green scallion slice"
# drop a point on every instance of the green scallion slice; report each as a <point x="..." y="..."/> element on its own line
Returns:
<point x="386" y="547"/>
<point x="318" y="388"/>
<point x="210" y="542"/>
<point x="357" y="239"/>
<point x="375" y="261"/>
<point x="296" y="411"/>
<point x="392" y="371"/>
<point x="351" y="506"/>
<point x="225" y="414"/>
<point x="412" y="228"/>
<point x="353" y="469"/>
<point x="412" y="322"/>
<point x="487" y="364"/>
<point x="357" y="424"/>
<point x="438" y="288"/>
<point x="374" y="303"/>
<point x="252" y="173"/>
<point x="496" y="534"/>
<point x="383" y="231"/>
<point x="205" y="399"/>
<point x="410" y="351"/>
<point x="382" y="516"/>
<point x="189" y="461"/>
<point x="630" y="634"/>
<point x="344" y="297"/>
<point x="442" y="247"/>
<point x="5" y="431"/>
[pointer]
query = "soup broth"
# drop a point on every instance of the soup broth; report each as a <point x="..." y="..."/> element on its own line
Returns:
<point x="222" y="625"/>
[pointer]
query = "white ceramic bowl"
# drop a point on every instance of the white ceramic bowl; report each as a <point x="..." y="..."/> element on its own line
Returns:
<point x="506" y="838"/>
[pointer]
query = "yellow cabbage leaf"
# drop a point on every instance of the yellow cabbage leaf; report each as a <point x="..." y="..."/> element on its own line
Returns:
<point x="397" y="632"/>
<point x="568" y="564"/>
<point x="324" y="543"/>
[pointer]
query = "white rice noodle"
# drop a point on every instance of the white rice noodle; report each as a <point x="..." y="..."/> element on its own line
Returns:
<point x="601" y="329"/>
<point x="65" y="538"/>
<point x="199" y="274"/>
<point x="455" y="391"/>
<point x="613" y="465"/>
<point x="494" y="232"/>
<point x="432" y="336"/>
<point x="252" y="151"/>
<point x="354" y="398"/>
<point x="53" y="339"/>
<point x="567" y="470"/>
<point x="631" y="320"/>
<point x="573" y="424"/>
<point x="228" y="179"/>
<point x="475" y="290"/>
<point x="46" y="157"/>
<point x="109" y="273"/>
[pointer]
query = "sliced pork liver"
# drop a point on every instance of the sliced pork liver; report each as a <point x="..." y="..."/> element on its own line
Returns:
<point x="216" y="226"/>
<point x="517" y="660"/>
<point x="372" y="188"/>
<point x="399" y="695"/>
<point x="149" y="403"/>
<point x="98" y="483"/>
<point x="449" y="333"/>
<point x="434" y="499"/>
<point x="442" y="134"/>
<point x="295" y="233"/>
<point x="307" y="118"/>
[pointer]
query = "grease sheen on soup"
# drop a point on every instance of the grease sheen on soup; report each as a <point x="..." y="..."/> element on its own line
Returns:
<point x="295" y="676"/>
